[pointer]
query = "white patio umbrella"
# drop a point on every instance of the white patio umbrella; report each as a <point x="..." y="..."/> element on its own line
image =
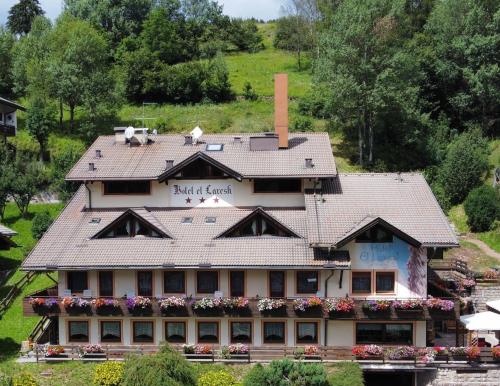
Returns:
<point x="494" y="305"/>
<point x="482" y="321"/>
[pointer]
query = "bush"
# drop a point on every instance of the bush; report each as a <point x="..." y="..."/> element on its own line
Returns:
<point x="249" y="93"/>
<point x="303" y="124"/>
<point x="216" y="378"/>
<point x="256" y="376"/>
<point x="285" y="372"/>
<point x="167" y="367"/>
<point x="346" y="374"/>
<point x="482" y="208"/>
<point x="441" y="196"/>
<point x="108" y="374"/>
<point x="41" y="222"/>
<point x="5" y="380"/>
<point x="24" y="379"/>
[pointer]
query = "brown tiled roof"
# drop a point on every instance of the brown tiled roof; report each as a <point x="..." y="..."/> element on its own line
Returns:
<point x="68" y="244"/>
<point x="119" y="161"/>
<point x="6" y="231"/>
<point x="351" y="201"/>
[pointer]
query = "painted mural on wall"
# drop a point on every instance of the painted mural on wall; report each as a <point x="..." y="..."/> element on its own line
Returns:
<point x="410" y="262"/>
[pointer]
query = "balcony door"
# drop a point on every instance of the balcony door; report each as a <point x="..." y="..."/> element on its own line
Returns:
<point x="277" y="284"/>
<point x="145" y="283"/>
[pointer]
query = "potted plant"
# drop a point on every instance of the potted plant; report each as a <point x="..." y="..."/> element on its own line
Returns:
<point x="55" y="351"/>
<point x="495" y="353"/>
<point x="173" y="306"/>
<point x="44" y="306"/>
<point x="458" y="353"/>
<point x="140" y="306"/>
<point x="107" y="306"/>
<point x="208" y="307"/>
<point x="272" y="307"/>
<point x="438" y="306"/>
<point x="377" y="307"/>
<point x="339" y="307"/>
<point x="236" y="306"/>
<point x="408" y="307"/>
<point x="91" y="351"/>
<point x="467" y="285"/>
<point x="312" y="306"/>
<point x="370" y="351"/>
<point x="402" y="353"/>
<point x="76" y="306"/>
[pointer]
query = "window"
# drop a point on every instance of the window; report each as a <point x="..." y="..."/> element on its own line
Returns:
<point x="208" y="332"/>
<point x="277" y="284"/>
<point x="259" y="225"/>
<point x="384" y="333"/>
<point x="111" y="331"/>
<point x="187" y="220"/>
<point x="201" y="169"/>
<point x="106" y="283"/>
<point x="145" y="283"/>
<point x="127" y="187"/>
<point x="175" y="332"/>
<point x="143" y="332"/>
<point x="77" y="281"/>
<point x="210" y="220"/>
<point x="241" y="332"/>
<point x="274" y="332"/>
<point x="376" y="234"/>
<point x="277" y="186"/>
<point x="174" y="282"/>
<point x="129" y="226"/>
<point x="237" y="283"/>
<point x="307" y="282"/>
<point x="207" y="282"/>
<point x="361" y="282"/>
<point x="78" y="331"/>
<point x="214" y="147"/>
<point x="307" y="332"/>
<point x="384" y="282"/>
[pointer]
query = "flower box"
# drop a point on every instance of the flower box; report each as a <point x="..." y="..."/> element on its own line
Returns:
<point x="54" y="351"/>
<point x="91" y="351"/>
<point x="402" y="353"/>
<point x="208" y="307"/>
<point x="495" y="352"/>
<point x="173" y="306"/>
<point x="310" y="353"/>
<point x="438" y="306"/>
<point x="140" y="306"/>
<point x="235" y="351"/>
<point x="377" y="308"/>
<point x="236" y="306"/>
<point x="459" y="353"/>
<point x="198" y="351"/>
<point x="107" y="307"/>
<point x="272" y="307"/>
<point x="75" y="306"/>
<point x="339" y="307"/>
<point x="308" y="307"/>
<point x="44" y="306"/>
<point x="368" y="352"/>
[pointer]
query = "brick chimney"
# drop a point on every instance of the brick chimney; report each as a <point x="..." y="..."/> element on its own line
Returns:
<point x="281" y="108"/>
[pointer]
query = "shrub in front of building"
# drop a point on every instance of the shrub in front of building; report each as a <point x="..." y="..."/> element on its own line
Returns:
<point x="482" y="208"/>
<point x="216" y="378"/>
<point x="24" y="379"/>
<point x="108" y="374"/>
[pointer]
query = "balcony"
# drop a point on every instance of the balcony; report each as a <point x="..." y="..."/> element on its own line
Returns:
<point x="48" y="304"/>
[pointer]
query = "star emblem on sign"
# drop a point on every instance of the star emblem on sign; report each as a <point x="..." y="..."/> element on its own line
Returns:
<point x="188" y="200"/>
<point x="216" y="200"/>
<point x="202" y="200"/>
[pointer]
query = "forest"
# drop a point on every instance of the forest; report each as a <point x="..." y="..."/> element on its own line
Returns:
<point x="407" y="85"/>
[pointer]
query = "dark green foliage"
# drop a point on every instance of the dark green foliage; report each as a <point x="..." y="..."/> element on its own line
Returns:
<point x="40" y="121"/>
<point x="466" y="161"/>
<point x="303" y="124"/>
<point x="6" y="178"/>
<point x="22" y="14"/>
<point x="245" y="35"/>
<point x="216" y="86"/>
<point x="482" y="207"/>
<point x="346" y="374"/>
<point x="6" y="44"/>
<point x="294" y="33"/>
<point x="249" y="93"/>
<point x="167" y="368"/>
<point x="287" y="373"/>
<point x="41" y="222"/>
<point x="62" y="162"/>
<point x="441" y="196"/>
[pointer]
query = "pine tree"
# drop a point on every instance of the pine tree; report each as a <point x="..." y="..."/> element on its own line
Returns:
<point x="21" y="16"/>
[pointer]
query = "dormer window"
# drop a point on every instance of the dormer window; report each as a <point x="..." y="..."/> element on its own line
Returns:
<point x="259" y="224"/>
<point x="376" y="234"/>
<point x="131" y="225"/>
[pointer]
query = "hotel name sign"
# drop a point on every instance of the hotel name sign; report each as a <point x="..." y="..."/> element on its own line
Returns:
<point x="206" y="194"/>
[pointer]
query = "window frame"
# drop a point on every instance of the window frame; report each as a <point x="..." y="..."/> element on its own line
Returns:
<point x="101" y="322"/>
<point x="68" y="286"/>
<point x="285" y="332"/>
<point x="105" y="188"/>
<point x="231" y="322"/>
<point x="184" y="282"/>
<point x="165" y="325"/>
<point x="244" y="283"/>
<point x="197" y="281"/>
<point x="112" y="284"/>
<point x="68" y="326"/>
<point x="297" y="282"/>
<point x="216" y="322"/>
<point x="353" y="272"/>
<point x="152" y="283"/>
<point x="266" y="180"/>
<point x="373" y="285"/>
<point x="134" y="322"/>
<point x="315" y="322"/>
<point x="385" y="272"/>
<point x="284" y="283"/>
<point x="384" y="324"/>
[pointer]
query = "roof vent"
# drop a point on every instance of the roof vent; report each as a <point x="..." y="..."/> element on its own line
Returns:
<point x="98" y="153"/>
<point x="169" y="164"/>
<point x="91" y="167"/>
<point x="237" y="139"/>
<point x="188" y="140"/>
<point x="309" y="163"/>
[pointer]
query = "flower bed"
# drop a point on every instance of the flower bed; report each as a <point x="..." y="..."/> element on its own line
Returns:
<point x="173" y="306"/>
<point x="436" y="305"/>
<point x="140" y="306"/>
<point x="377" y="306"/>
<point x="208" y="307"/>
<point x="236" y="306"/>
<point x="370" y="351"/>
<point x="106" y="306"/>
<point x="339" y="307"/>
<point x="53" y="351"/>
<point x="402" y="353"/>
<point x="76" y="306"/>
<point x="272" y="307"/>
<point x="312" y="306"/>
<point x="44" y="306"/>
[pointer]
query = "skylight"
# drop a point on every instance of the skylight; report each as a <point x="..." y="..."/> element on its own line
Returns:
<point x="214" y="147"/>
<point x="210" y="220"/>
<point x="187" y="220"/>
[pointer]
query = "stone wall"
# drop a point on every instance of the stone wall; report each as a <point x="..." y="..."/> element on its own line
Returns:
<point x="484" y="293"/>
<point x="454" y="377"/>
